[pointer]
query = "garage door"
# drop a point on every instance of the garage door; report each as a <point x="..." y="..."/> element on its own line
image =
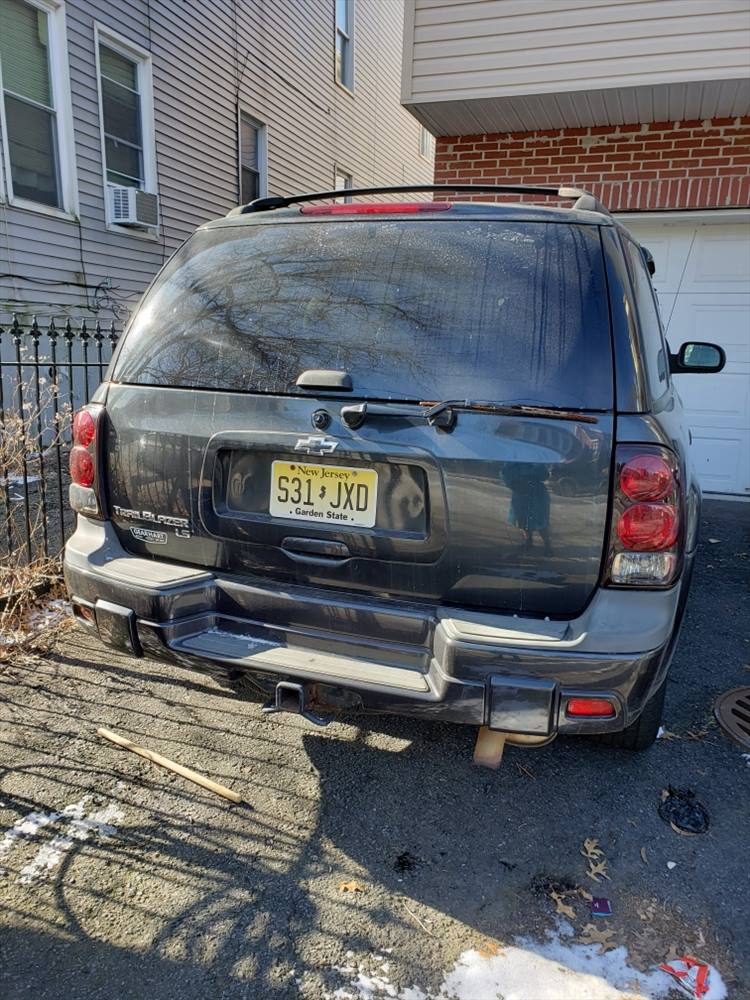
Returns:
<point x="703" y="281"/>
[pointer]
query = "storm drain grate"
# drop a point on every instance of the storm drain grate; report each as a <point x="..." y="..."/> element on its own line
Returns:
<point x="732" y="711"/>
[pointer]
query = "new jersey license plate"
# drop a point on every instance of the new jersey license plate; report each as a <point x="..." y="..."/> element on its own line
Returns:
<point x="328" y="494"/>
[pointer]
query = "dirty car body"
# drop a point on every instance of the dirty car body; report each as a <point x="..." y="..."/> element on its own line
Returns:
<point x="423" y="458"/>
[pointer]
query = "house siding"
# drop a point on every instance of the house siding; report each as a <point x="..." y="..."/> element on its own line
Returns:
<point x="274" y="60"/>
<point x="649" y="167"/>
<point x="472" y="49"/>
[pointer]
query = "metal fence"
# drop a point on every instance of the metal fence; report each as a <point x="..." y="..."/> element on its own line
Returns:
<point x="46" y="373"/>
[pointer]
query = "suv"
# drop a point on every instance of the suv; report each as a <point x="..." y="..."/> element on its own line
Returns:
<point x="421" y="457"/>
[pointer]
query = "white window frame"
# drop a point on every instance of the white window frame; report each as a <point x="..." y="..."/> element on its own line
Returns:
<point x="262" y="131"/>
<point x="60" y="82"/>
<point x="339" y="171"/>
<point x="349" y="67"/>
<point x="425" y="140"/>
<point x="142" y="59"/>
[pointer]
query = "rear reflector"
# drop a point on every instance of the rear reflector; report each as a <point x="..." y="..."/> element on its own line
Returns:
<point x="648" y="527"/>
<point x="377" y="208"/>
<point x="589" y="708"/>
<point x="80" y="611"/>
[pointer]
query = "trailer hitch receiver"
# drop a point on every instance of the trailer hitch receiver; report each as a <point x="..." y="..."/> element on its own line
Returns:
<point x="290" y="697"/>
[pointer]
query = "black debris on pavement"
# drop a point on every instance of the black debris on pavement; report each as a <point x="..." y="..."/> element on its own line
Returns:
<point x="683" y="812"/>
<point x="406" y="862"/>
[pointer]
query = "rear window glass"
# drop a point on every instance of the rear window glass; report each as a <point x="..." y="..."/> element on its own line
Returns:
<point x="419" y="310"/>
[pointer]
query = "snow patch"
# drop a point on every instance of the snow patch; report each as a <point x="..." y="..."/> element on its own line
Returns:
<point x="555" y="969"/>
<point x="75" y="825"/>
<point x="47" y="857"/>
<point x="50" y="613"/>
<point x="518" y="974"/>
<point x="26" y="827"/>
<point x="371" y="985"/>
<point x="101" y="822"/>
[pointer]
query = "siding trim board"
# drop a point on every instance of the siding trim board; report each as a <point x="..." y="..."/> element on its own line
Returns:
<point x="583" y="108"/>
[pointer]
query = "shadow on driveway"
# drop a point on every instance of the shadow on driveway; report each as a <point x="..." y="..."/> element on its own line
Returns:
<point x="194" y="898"/>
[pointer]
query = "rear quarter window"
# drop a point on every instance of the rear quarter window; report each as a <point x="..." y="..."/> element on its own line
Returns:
<point x="655" y="354"/>
<point x="420" y="310"/>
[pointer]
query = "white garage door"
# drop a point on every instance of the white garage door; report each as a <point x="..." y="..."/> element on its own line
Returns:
<point x="703" y="281"/>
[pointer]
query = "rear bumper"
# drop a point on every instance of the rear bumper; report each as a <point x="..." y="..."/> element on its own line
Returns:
<point x="510" y="673"/>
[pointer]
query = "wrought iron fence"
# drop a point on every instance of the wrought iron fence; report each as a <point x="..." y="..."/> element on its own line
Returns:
<point x="46" y="373"/>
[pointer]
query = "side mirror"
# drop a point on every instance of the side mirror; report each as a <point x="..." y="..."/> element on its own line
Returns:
<point x="649" y="258"/>
<point x="697" y="358"/>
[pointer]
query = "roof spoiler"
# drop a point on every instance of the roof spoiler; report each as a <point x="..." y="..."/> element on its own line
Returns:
<point x="582" y="199"/>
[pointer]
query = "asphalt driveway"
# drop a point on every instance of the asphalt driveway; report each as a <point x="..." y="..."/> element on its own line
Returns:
<point x="373" y="850"/>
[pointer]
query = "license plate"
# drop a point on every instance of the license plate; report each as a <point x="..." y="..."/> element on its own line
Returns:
<point x="328" y="494"/>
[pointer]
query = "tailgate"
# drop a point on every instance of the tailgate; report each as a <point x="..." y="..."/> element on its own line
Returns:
<point x="502" y="513"/>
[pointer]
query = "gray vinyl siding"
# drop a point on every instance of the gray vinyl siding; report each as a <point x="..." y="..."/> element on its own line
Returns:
<point x="275" y="60"/>
<point x="474" y="66"/>
<point x="474" y="49"/>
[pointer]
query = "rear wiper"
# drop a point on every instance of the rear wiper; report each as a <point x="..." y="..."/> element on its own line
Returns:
<point x="507" y="409"/>
<point x="443" y="414"/>
<point x="354" y="416"/>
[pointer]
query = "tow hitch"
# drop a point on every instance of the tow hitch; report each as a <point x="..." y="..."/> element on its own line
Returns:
<point x="290" y="697"/>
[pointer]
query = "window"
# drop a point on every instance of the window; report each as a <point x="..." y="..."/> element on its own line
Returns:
<point x="652" y="338"/>
<point x="343" y="182"/>
<point x="126" y="113"/>
<point x="345" y="43"/>
<point x="35" y="113"/>
<point x="412" y="310"/>
<point x="251" y="159"/>
<point x="425" y="143"/>
<point x="121" y="118"/>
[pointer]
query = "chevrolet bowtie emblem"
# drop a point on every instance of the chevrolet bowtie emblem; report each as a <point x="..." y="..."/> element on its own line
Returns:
<point x="314" y="445"/>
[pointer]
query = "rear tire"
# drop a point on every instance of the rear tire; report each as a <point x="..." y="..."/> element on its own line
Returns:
<point x="642" y="733"/>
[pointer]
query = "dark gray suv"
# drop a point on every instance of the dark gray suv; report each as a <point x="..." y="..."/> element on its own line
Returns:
<point x="420" y="457"/>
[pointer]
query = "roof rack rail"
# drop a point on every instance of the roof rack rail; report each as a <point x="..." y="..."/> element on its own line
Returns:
<point x="583" y="200"/>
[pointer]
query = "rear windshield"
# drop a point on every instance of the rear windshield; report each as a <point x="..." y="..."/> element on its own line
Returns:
<point x="417" y="310"/>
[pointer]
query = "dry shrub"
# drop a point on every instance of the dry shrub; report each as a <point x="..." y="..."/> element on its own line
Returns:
<point x="29" y="577"/>
<point x="31" y="625"/>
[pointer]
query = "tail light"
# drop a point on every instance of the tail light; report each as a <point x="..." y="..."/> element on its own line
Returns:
<point x="646" y="477"/>
<point x="648" y="527"/>
<point x="85" y="486"/>
<point x="647" y="518"/>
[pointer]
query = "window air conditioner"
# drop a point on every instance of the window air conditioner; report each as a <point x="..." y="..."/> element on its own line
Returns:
<point x="129" y="206"/>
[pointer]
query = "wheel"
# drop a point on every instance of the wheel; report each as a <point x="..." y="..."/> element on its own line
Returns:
<point x="642" y="733"/>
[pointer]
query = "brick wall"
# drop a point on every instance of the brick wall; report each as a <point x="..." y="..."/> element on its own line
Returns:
<point x="662" y="165"/>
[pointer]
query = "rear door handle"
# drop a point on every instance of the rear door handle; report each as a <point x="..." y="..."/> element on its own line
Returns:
<point x="315" y="550"/>
<point x="322" y="378"/>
